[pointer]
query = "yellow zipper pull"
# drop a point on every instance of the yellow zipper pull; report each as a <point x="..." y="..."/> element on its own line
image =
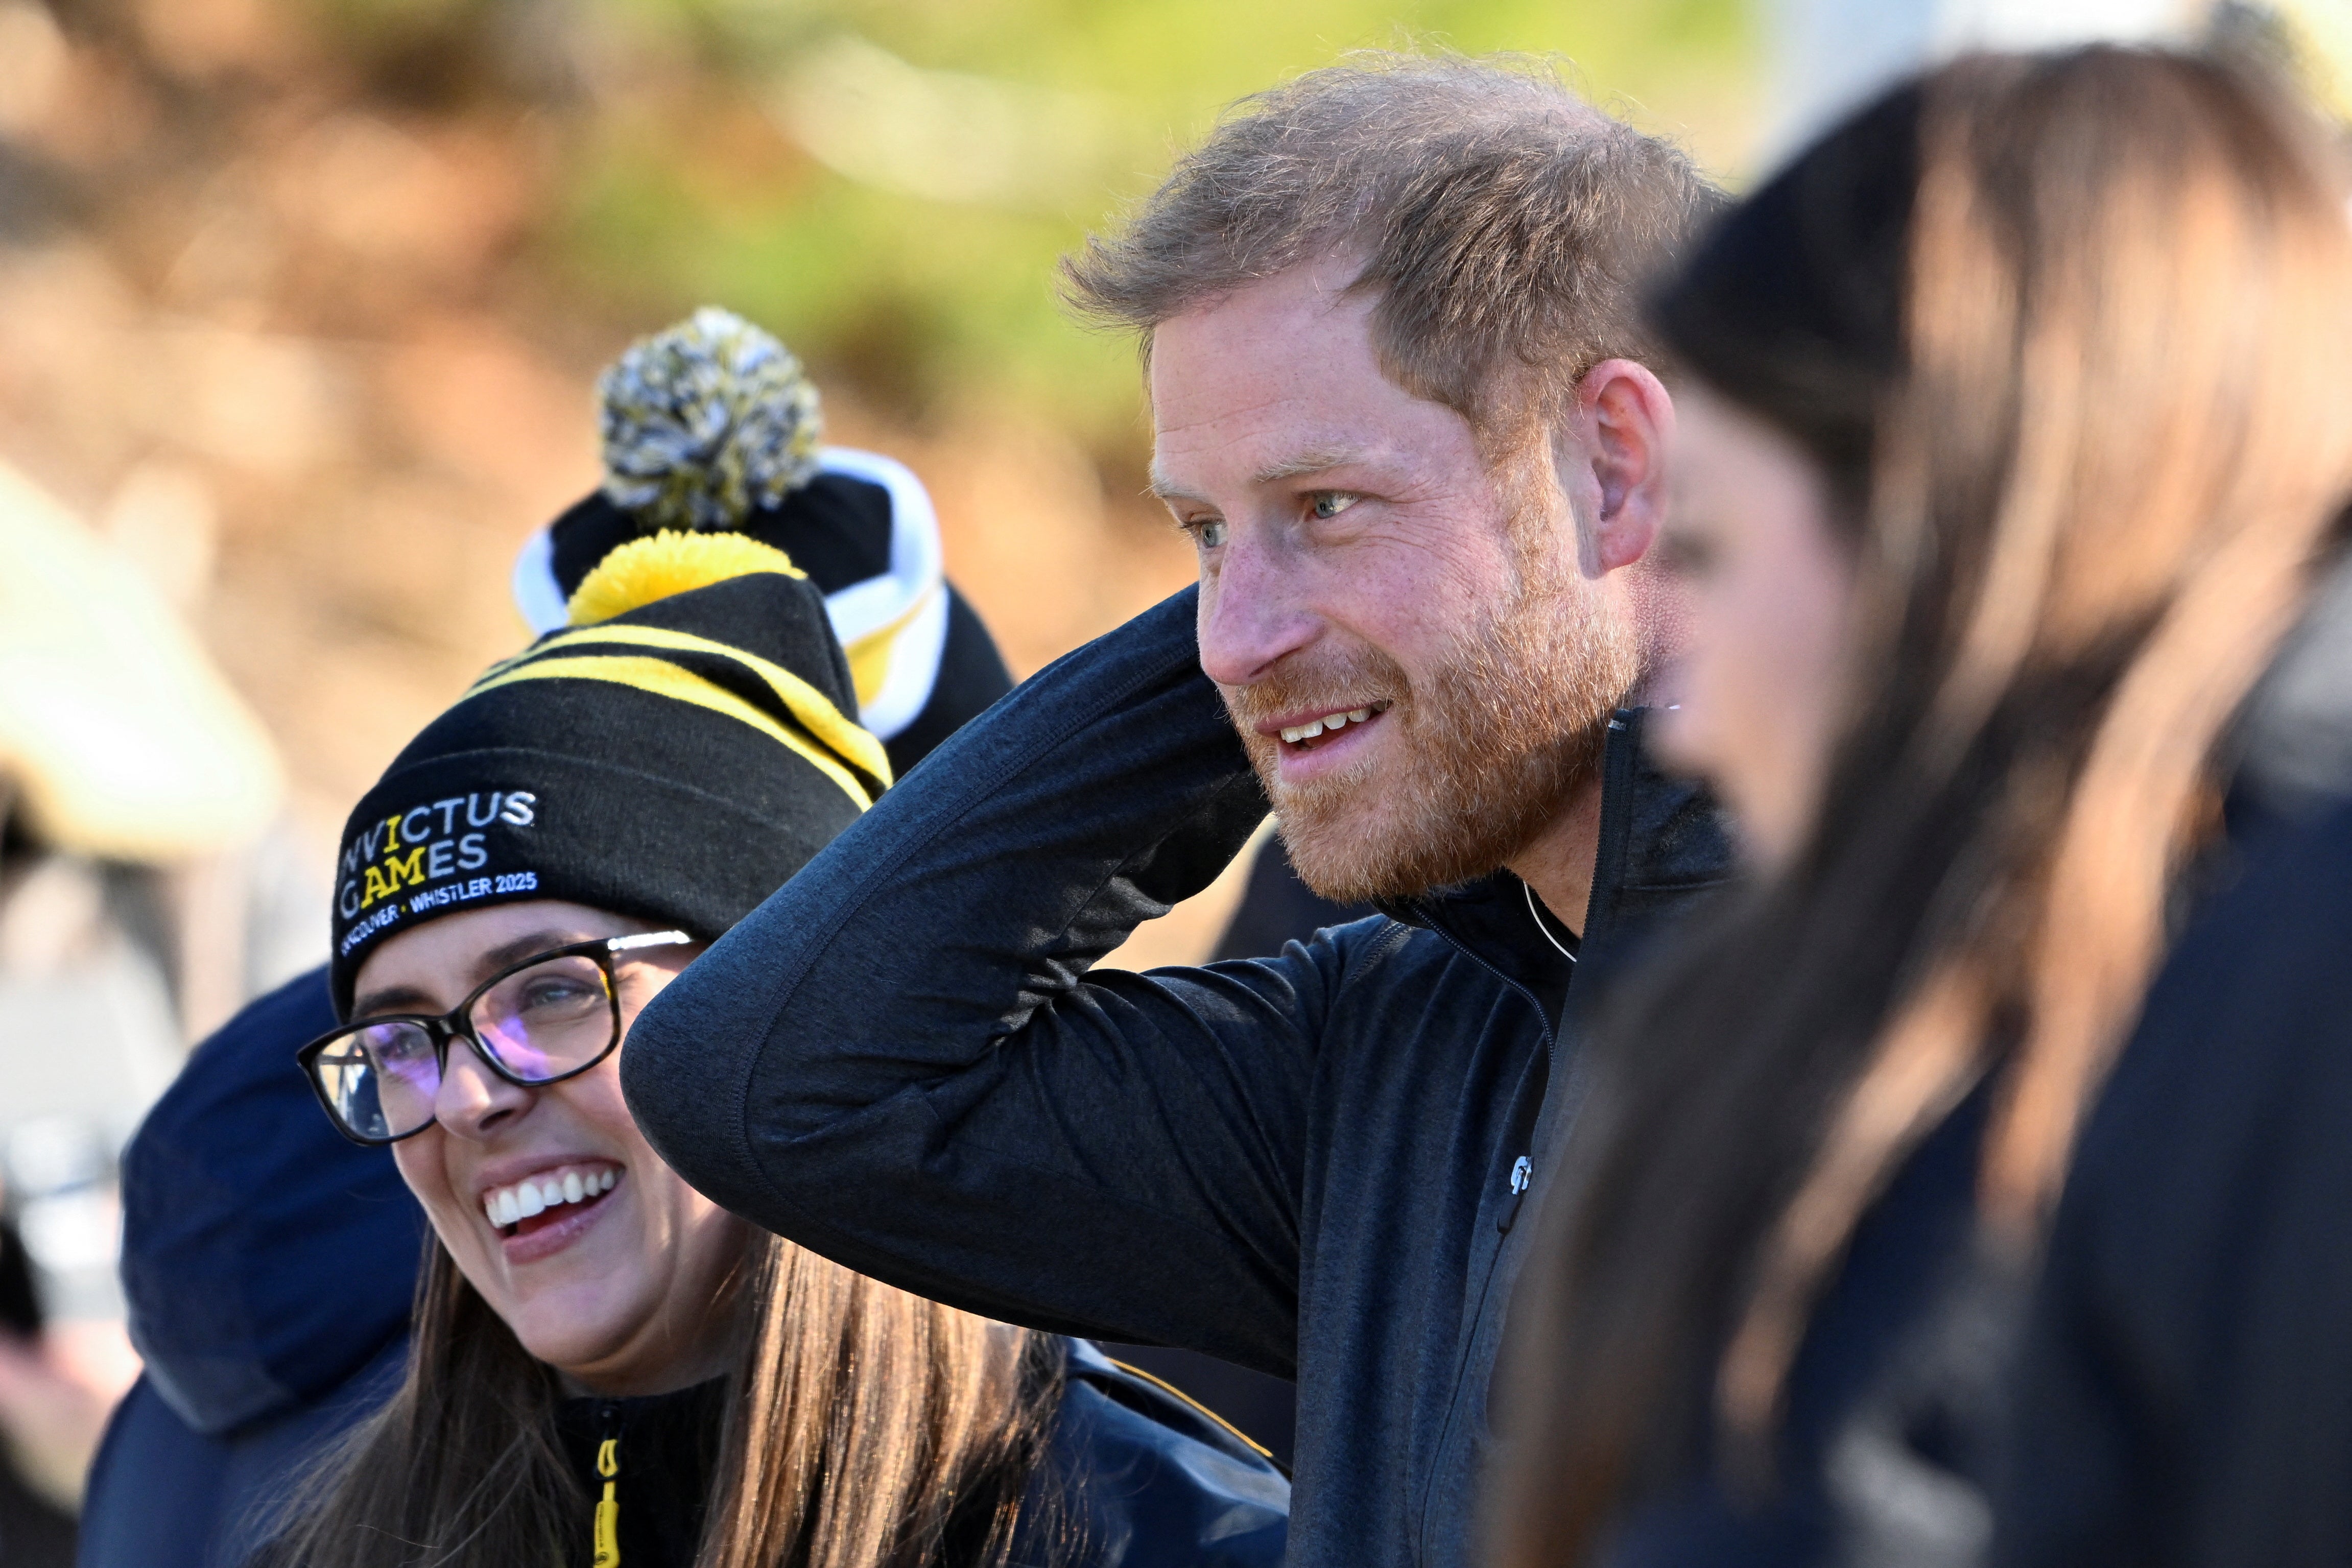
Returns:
<point x="608" y="1512"/>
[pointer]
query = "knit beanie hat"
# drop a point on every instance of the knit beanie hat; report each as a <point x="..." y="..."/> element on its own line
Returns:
<point x="675" y="753"/>
<point x="712" y="426"/>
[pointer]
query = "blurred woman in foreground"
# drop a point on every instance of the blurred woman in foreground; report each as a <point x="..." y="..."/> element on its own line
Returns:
<point x="2014" y="432"/>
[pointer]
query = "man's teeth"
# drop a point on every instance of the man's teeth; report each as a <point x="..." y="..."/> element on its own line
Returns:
<point x="1308" y="731"/>
<point x="504" y="1205"/>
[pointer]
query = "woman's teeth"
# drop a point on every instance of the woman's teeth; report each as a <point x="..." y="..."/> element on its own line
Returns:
<point x="1308" y="731"/>
<point x="505" y="1205"/>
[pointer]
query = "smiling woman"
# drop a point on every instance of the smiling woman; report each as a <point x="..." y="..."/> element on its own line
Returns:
<point x="604" y="1360"/>
<point x="605" y="1365"/>
<point x="605" y="1265"/>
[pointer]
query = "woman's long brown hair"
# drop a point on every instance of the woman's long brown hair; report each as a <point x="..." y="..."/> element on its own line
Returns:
<point x="865" y="1428"/>
<point x="2068" y="334"/>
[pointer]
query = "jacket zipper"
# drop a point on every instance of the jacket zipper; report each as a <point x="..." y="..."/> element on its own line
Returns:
<point x="1615" y="762"/>
<point x="1502" y="1223"/>
<point x="1522" y="1169"/>
<point x="608" y="1508"/>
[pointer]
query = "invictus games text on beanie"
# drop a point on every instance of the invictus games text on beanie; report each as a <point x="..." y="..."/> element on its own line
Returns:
<point x="411" y="849"/>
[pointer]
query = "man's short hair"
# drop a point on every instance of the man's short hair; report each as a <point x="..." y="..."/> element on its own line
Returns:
<point x="1507" y="225"/>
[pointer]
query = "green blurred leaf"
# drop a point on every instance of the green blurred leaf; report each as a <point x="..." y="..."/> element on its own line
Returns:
<point x="904" y="174"/>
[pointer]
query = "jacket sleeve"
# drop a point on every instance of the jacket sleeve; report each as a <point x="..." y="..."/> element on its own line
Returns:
<point x="902" y="1061"/>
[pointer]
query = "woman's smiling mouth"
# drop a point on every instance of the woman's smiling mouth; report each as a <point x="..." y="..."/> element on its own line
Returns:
<point x="541" y="1199"/>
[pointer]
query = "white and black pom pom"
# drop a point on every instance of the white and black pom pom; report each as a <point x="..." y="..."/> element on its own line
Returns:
<point x="707" y="422"/>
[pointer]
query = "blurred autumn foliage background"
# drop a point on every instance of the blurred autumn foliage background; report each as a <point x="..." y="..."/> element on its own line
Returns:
<point x="301" y="306"/>
<point x="301" y="301"/>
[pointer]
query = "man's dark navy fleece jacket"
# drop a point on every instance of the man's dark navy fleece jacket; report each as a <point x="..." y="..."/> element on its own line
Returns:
<point x="1308" y="1164"/>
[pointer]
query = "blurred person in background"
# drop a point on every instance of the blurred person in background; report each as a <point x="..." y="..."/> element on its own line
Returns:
<point x="269" y="1263"/>
<point x="1404" y="413"/>
<point x="47" y="1423"/>
<point x="2013" y="443"/>
<point x="146" y="890"/>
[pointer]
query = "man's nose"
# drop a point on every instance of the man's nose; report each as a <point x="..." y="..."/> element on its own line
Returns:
<point x="473" y="1100"/>
<point x="1252" y="614"/>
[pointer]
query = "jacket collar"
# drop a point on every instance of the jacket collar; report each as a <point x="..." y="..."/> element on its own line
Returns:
<point x="1661" y="840"/>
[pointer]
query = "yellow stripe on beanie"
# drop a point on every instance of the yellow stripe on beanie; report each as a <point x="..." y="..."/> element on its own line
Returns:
<point x="663" y="678"/>
<point x="811" y="708"/>
<point x="657" y="567"/>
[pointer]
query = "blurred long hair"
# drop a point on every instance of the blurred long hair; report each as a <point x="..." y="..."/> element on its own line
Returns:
<point x="2067" y="335"/>
<point x="865" y="1427"/>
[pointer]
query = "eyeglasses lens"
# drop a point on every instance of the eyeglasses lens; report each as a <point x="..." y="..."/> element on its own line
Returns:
<point x="547" y="1020"/>
<point x="539" y="1023"/>
<point x="382" y="1078"/>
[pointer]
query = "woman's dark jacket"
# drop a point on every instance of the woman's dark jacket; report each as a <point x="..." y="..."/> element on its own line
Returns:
<point x="1128" y="1470"/>
<point x="1881" y="1458"/>
<point x="2185" y="1394"/>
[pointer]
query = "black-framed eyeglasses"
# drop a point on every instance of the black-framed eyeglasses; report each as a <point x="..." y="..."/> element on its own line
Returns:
<point x="538" y="1021"/>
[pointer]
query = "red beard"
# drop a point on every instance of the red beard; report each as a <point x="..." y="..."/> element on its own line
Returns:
<point x="1484" y="754"/>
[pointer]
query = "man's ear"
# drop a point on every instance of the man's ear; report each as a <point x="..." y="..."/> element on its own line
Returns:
<point x="1612" y="454"/>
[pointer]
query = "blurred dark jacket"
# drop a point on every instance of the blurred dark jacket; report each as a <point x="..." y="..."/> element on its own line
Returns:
<point x="1309" y="1163"/>
<point x="1881" y="1458"/>
<point x="2186" y="1391"/>
<point x="2184" y="1395"/>
<point x="268" y="1265"/>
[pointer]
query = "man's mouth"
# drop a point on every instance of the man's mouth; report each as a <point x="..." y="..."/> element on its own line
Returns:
<point x="543" y="1199"/>
<point x="1307" y="735"/>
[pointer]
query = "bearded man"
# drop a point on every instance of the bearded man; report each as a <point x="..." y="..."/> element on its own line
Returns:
<point x="1390" y="317"/>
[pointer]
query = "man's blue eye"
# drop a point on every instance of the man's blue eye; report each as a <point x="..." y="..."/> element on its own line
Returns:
<point x="1329" y="504"/>
<point x="1210" y="534"/>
